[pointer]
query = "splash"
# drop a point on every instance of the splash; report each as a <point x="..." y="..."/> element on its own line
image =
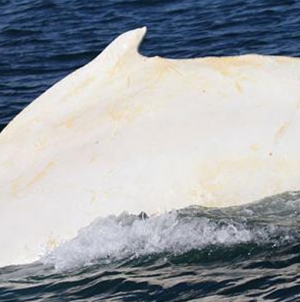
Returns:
<point x="129" y="236"/>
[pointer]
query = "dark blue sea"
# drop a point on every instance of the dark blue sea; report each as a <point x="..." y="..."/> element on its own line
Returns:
<point x="247" y="253"/>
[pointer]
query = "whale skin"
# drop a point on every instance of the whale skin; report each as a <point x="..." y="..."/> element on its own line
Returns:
<point x="133" y="133"/>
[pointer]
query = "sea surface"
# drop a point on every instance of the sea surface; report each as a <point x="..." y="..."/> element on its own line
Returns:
<point x="247" y="253"/>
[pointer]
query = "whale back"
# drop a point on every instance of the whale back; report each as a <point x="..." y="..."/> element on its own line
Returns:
<point x="133" y="133"/>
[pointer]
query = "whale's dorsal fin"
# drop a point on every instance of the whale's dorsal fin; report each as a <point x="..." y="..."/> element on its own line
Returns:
<point x="127" y="43"/>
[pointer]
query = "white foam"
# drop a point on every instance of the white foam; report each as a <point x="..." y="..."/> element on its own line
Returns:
<point x="127" y="236"/>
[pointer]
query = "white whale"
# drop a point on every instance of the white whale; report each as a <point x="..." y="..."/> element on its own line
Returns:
<point x="135" y="133"/>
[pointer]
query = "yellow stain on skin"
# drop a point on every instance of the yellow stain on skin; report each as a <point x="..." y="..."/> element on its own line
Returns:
<point x="162" y="67"/>
<point x="79" y="87"/>
<point x="119" y="64"/>
<point x="238" y="87"/>
<point x="280" y="132"/>
<point x="254" y="147"/>
<point x="226" y="65"/>
<point x="115" y="68"/>
<point x="125" y="110"/>
<point x="94" y="158"/>
<point x="14" y="187"/>
<point x="285" y="60"/>
<point x="94" y="196"/>
<point x="51" y="243"/>
<point x="16" y="184"/>
<point x="41" y="144"/>
<point x="40" y="174"/>
<point x="213" y="179"/>
<point x="117" y="112"/>
<point x="69" y="122"/>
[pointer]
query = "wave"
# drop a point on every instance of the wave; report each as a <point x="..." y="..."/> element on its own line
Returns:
<point x="268" y="224"/>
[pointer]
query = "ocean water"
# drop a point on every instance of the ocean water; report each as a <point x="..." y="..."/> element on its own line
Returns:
<point x="248" y="253"/>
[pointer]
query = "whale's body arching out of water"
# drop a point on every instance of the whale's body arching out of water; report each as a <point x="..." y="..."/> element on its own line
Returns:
<point x="128" y="132"/>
